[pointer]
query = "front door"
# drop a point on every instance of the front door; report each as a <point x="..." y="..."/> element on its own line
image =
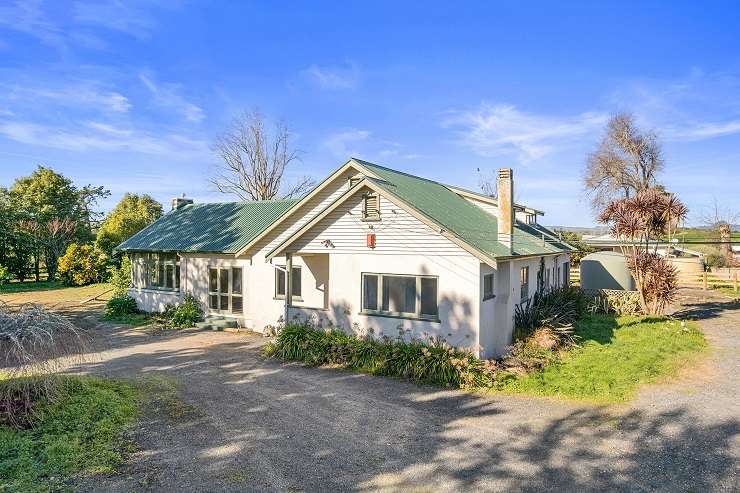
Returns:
<point x="225" y="290"/>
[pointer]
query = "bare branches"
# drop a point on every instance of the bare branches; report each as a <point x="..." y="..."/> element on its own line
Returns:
<point x="626" y="161"/>
<point x="254" y="162"/>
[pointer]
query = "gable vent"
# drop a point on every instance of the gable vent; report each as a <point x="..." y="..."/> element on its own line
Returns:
<point x="371" y="207"/>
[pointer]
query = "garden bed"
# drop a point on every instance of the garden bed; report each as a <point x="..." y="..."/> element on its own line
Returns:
<point x="612" y="357"/>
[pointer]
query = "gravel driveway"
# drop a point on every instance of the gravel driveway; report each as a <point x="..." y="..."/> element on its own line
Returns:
<point x="244" y="424"/>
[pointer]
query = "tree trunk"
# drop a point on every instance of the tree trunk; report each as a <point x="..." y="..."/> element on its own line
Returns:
<point x="725" y="235"/>
<point x="36" y="267"/>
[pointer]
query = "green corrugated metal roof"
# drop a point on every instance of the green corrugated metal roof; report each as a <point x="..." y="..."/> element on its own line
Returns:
<point x="456" y="215"/>
<point x="218" y="228"/>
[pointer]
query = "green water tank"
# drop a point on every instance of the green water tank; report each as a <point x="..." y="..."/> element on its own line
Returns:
<point x="606" y="270"/>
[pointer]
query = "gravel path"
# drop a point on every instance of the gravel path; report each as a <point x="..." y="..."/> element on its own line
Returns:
<point x="244" y="424"/>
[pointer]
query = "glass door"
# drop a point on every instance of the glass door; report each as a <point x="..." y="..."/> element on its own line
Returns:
<point x="225" y="290"/>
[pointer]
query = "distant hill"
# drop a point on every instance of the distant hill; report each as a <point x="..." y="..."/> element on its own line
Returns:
<point x="582" y="230"/>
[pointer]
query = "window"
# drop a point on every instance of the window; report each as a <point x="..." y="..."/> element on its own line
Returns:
<point x="225" y="289"/>
<point x="547" y="278"/>
<point x="566" y="274"/>
<point x="488" y="287"/>
<point x="354" y="181"/>
<point x="407" y="296"/>
<point x="371" y="207"/>
<point x="162" y="271"/>
<point x="280" y="282"/>
<point x="524" y="283"/>
<point x="531" y="218"/>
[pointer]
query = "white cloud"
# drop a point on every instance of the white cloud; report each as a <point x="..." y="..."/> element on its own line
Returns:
<point x="704" y="130"/>
<point x="504" y="129"/>
<point x="130" y="17"/>
<point x="346" y="77"/>
<point x="28" y="16"/>
<point x="343" y="144"/>
<point x="87" y="93"/>
<point x="97" y="136"/>
<point x="168" y="96"/>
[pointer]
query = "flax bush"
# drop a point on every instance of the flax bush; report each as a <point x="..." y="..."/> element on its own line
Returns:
<point x="434" y="363"/>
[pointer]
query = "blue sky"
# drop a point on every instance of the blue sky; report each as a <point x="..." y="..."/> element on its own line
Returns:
<point x="131" y="94"/>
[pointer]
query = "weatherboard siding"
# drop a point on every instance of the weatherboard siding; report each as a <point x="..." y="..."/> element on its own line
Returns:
<point x="397" y="232"/>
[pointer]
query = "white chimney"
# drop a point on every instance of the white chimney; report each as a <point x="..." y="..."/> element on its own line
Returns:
<point x="506" y="207"/>
<point x="179" y="202"/>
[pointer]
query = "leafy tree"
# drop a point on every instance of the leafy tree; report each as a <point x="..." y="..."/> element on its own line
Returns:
<point x="81" y="265"/>
<point x="639" y="221"/>
<point x="120" y="278"/>
<point x="128" y="217"/>
<point x="53" y="213"/>
<point x="576" y="241"/>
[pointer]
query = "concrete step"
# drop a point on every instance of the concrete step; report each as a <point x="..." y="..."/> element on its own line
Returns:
<point x="203" y="325"/>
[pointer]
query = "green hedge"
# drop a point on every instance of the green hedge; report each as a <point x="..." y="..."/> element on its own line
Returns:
<point x="436" y="363"/>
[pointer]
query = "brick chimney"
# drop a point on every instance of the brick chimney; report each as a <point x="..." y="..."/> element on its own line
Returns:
<point x="179" y="202"/>
<point x="506" y="207"/>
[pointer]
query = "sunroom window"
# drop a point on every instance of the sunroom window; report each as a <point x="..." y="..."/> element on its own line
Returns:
<point x="400" y="295"/>
<point x="162" y="271"/>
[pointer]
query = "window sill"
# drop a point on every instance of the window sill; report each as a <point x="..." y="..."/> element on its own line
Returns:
<point x="157" y="290"/>
<point x="371" y="219"/>
<point x="489" y="297"/>
<point x="281" y="298"/>
<point x="403" y="317"/>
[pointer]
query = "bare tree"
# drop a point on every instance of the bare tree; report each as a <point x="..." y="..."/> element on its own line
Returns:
<point x="626" y="161"/>
<point x="487" y="183"/>
<point x="254" y="161"/>
<point x="54" y="236"/>
<point x="721" y="220"/>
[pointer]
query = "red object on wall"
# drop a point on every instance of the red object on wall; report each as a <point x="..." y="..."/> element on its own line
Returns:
<point x="371" y="240"/>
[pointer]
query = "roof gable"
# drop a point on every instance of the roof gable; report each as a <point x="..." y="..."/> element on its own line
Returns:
<point x="217" y="227"/>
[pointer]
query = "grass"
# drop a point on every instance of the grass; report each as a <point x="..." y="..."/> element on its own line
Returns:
<point x="80" y="434"/>
<point x="727" y="291"/>
<point x="616" y="355"/>
<point x="26" y="286"/>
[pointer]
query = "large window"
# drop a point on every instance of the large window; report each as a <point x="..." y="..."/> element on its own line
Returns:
<point x="280" y="282"/>
<point x="162" y="271"/>
<point x="524" y="283"/>
<point x="225" y="289"/>
<point x="404" y="296"/>
<point x="566" y="274"/>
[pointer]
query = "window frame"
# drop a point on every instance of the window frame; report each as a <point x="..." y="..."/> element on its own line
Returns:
<point x="282" y="268"/>
<point x="523" y="283"/>
<point x="417" y="315"/>
<point x="492" y="294"/>
<point x="160" y="265"/>
<point x="229" y="294"/>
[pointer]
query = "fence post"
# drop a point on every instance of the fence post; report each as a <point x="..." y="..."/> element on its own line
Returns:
<point x="705" y="281"/>
<point x="734" y="282"/>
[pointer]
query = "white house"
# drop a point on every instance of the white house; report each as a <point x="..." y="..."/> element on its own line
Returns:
<point x="370" y="250"/>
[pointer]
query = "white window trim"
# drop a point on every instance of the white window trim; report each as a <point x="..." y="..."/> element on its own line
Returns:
<point x="230" y="293"/>
<point x="407" y="315"/>
<point x="148" y="263"/>
<point x="492" y="294"/>
<point x="295" y="297"/>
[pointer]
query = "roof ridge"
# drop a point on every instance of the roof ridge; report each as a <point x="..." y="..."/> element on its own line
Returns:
<point x="240" y="202"/>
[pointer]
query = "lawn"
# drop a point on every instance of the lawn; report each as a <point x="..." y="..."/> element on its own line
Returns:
<point x="26" y="286"/>
<point x="80" y="434"/>
<point x="133" y="319"/>
<point x="615" y="356"/>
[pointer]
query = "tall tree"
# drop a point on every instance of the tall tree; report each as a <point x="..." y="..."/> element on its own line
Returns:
<point x="254" y="161"/>
<point x="53" y="213"/>
<point x="127" y="218"/>
<point x="721" y="220"/>
<point x="626" y="161"/>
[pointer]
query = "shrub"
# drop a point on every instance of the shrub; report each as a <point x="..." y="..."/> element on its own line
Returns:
<point x="186" y="314"/>
<point x="81" y="265"/>
<point x="120" y="306"/>
<point x="120" y="278"/>
<point x="615" y="302"/>
<point x="4" y="275"/>
<point x="435" y="363"/>
<point x="558" y="309"/>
